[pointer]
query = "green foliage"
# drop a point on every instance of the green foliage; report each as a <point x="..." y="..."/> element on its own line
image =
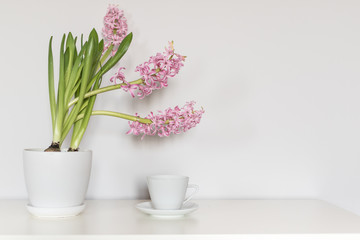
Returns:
<point x="79" y="73"/>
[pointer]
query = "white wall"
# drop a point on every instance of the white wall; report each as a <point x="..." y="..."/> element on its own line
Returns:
<point x="279" y="81"/>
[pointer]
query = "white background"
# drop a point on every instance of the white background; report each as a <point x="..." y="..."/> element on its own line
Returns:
<point x="279" y="81"/>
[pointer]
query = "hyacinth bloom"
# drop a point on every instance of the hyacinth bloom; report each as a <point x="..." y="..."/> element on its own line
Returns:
<point x="155" y="72"/>
<point x="115" y="27"/>
<point x="118" y="76"/>
<point x="172" y="120"/>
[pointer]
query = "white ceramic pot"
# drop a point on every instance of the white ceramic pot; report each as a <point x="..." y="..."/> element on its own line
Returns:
<point x="56" y="181"/>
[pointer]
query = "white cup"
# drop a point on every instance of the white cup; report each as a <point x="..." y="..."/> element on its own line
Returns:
<point x="167" y="192"/>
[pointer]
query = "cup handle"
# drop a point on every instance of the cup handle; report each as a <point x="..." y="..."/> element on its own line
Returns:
<point x="196" y="189"/>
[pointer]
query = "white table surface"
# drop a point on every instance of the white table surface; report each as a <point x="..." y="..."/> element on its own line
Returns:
<point x="215" y="219"/>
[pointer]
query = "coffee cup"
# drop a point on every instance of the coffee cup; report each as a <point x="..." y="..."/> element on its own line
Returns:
<point x="168" y="192"/>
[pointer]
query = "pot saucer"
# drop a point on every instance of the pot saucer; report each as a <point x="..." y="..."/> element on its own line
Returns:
<point x="147" y="208"/>
<point x="55" y="212"/>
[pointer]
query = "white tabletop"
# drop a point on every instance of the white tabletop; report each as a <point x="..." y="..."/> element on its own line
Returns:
<point x="215" y="219"/>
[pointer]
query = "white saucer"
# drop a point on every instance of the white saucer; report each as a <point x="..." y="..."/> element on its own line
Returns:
<point x="147" y="208"/>
<point x="55" y="212"/>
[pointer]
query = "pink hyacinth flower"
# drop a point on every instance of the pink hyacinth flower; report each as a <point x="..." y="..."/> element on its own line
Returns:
<point x="156" y="72"/>
<point x="115" y="27"/>
<point x="119" y="75"/>
<point x="171" y="121"/>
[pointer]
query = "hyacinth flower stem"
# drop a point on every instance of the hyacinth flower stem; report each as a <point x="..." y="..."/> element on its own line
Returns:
<point x="106" y="55"/>
<point x="105" y="89"/>
<point x="118" y="115"/>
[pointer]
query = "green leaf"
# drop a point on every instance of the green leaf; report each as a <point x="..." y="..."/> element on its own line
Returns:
<point x="95" y="65"/>
<point x="66" y="60"/>
<point x="76" y="52"/>
<point x="75" y="75"/>
<point x="51" y="85"/>
<point x="69" y="56"/>
<point x="124" y="46"/>
<point x="101" y="45"/>
<point x="60" y="98"/>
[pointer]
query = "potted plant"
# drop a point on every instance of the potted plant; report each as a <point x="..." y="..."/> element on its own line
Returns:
<point x="57" y="177"/>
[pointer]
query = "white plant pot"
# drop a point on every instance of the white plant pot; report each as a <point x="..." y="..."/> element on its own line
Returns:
<point x="56" y="181"/>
